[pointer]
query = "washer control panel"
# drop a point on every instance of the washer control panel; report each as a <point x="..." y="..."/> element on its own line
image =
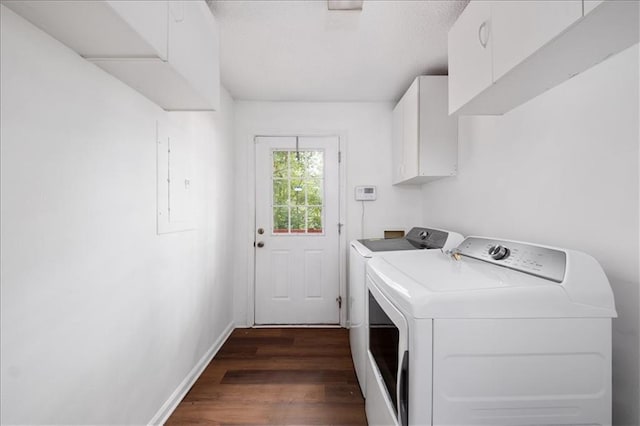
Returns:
<point x="427" y="238"/>
<point x="542" y="262"/>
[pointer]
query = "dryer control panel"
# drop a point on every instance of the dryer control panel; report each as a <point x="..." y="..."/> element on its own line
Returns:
<point x="543" y="262"/>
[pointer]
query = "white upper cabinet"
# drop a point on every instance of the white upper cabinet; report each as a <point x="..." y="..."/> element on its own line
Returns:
<point x="470" y="63"/>
<point x="166" y="50"/>
<point x="530" y="47"/>
<point x="522" y="27"/>
<point x="589" y="5"/>
<point x="397" y="146"/>
<point x="425" y="137"/>
<point x="101" y="29"/>
<point x="193" y="46"/>
<point x="148" y="19"/>
<point x="411" y="131"/>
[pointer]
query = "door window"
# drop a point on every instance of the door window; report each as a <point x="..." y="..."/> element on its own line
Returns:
<point x="298" y="192"/>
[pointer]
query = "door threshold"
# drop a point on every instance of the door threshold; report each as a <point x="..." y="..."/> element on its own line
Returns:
<point x="296" y="326"/>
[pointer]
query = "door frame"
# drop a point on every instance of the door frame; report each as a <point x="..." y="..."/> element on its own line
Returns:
<point x="251" y="199"/>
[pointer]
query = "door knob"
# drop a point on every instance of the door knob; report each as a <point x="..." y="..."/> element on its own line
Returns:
<point x="260" y="231"/>
<point x="260" y="243"/>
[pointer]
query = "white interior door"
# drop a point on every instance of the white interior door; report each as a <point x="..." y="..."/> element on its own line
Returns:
<point x="296" y="233"/>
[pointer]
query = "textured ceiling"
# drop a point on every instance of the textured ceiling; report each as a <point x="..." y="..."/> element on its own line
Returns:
<point x="297" y="50"/>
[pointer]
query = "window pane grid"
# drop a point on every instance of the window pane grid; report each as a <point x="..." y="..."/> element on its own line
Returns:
<point x="297" y="196"/>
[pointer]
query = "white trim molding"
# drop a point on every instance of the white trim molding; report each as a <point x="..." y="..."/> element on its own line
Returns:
<point x="176" y="397"/>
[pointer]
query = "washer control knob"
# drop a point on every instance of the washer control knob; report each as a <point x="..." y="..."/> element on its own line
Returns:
<point x="498" y="252"/>
<point x="424" y="235"/>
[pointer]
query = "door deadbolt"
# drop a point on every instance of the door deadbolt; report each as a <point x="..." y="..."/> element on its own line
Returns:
<point x="260" y="244"/>
<point x="260" y="231"/>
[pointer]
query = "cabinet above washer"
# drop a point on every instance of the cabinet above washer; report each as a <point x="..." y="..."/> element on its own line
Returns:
<point x="425" y="137"/>
<point x="504" y="53"/>
<point x="166" y="50"/>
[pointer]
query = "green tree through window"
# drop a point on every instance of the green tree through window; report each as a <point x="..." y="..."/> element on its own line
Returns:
<point x="297" y="182"/>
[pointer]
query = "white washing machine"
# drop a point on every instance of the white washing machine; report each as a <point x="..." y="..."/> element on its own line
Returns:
<point x="499" y="333"/>
<point x="361" y="251"/>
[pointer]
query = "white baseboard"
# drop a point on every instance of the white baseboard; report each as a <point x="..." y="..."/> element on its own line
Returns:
<point x="176" y="397"/>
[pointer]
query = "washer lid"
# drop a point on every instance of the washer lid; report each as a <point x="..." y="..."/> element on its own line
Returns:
<point x="417" y="238"/>
<point x="431" y="284"/>
<point x="388" y="244"/>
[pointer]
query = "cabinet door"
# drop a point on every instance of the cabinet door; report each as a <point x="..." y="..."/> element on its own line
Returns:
<point x="522" y="27"/>
<point x="589" y="5"/>
<point x="194" y="47"/>
<point x="411" y="138"/>
<point x="148" y="19"/>
<point x="470" y="68"/>
<point x="397" y="143"/>
<point x="438" y="130"/>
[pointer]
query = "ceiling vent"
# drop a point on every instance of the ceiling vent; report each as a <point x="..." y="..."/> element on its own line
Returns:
<point x="345" y="4"/>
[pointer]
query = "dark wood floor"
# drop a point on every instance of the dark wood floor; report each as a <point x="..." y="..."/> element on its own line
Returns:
<point x="284" y="376"/>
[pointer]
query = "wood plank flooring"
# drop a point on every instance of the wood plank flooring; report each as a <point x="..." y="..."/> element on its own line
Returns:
<point x="284" y="376"/>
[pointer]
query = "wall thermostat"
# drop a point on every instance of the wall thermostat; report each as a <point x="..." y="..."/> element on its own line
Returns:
<point x="366" y="193"/>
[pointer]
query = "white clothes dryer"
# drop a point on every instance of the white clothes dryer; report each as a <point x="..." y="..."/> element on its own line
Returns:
<point x="495" y="333"/>
<point x="360" y="253"/>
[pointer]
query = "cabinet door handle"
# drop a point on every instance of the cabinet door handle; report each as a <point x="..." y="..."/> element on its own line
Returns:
<point x="483" y="35"/>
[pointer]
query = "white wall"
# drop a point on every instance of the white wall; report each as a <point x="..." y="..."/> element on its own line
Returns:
<point x="102" y="319"/>
<point x="561" y="170"/>
<point x="366" y="135"/>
